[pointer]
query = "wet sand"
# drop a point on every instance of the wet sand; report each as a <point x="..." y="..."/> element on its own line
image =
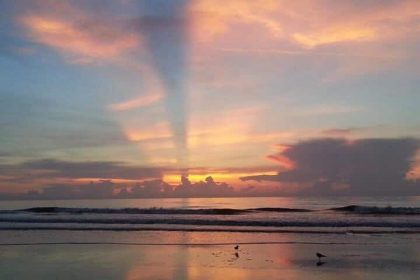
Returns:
<point x="195" y="255"/>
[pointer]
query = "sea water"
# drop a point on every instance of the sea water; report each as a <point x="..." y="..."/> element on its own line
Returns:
<point x="262" y="214"/>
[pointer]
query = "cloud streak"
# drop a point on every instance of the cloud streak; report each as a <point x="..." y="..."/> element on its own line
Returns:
<point x="53" y="169"/>
<point x="138" y="102"/>
<point x="77" y="35"/>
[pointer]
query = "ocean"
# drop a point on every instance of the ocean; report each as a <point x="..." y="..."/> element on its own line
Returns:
<point x="211" y="238"/>
<point x="261" y="214"/>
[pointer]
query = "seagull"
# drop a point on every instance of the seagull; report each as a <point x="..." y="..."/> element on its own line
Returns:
<point x="319" y="255"/>
<point x="236" y="247"/>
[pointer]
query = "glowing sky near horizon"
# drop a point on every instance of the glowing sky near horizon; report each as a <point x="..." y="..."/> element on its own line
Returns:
<point x="216" y="87"/>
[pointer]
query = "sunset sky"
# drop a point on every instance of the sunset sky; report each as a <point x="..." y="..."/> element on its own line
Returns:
<point x="267" y="96"/>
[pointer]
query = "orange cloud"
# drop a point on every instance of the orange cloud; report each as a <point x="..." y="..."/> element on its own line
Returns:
<point x="335" y="35"/>
<point x="414" y="172"/>
<point x="229" y="175"/>
<point x="78" y="35"/>
<point x="282" y="160"/>
<point x="344" y="23"/>
<point x="357" y="39"/>
<point x="139" y="102"/>
<point x="212" y="18"/>
<point x="308" y="23"/>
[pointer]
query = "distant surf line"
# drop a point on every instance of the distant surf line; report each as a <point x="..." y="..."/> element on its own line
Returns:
<point x="354" y="209"/>
<point x="238" y="230"/>
<point x="186" y="244"/>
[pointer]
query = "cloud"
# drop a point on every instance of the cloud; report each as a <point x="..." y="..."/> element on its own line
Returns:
<point x="159" y="188"/>
<point x="307" y="23"/>
<point x="334" y="132"/>
<point x="138" y="102"/>
<point x="335" y="35"/>
<point x="58" y="169"/>
<point x="352" y="38"/>
<point x="58" y="179"/>
<point x="359" y="167"/>
<point x="81" y="36"/>
<point x="93" y="190"/>
<point x="211" y="18"/>
<point x="145" y="189"/>
<point x="208" y="188"/>
<point x="327" y="166"/>
<point x="293" y="52"/>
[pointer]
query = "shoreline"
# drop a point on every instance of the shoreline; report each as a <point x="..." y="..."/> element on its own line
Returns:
<point x="202" y="229"/>
<point x="206" y="255"/>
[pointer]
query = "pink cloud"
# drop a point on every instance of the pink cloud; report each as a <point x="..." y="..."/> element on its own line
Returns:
<point x="138" y="102"/>
<point x="76" y="34"/>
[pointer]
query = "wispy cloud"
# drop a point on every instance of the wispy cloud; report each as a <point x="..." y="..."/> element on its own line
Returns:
<point x="138" y="102"/>
<point x="77" y="34"/>
<point x="335" y="35"/>
<point x="214" y="18"/>
<point x="295" y="52"/>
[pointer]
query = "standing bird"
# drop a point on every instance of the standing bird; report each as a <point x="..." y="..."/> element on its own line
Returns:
<point x="319" y="255"/>
<point x="236" y="247"/>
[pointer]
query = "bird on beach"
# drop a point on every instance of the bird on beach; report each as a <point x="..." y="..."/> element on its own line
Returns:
<point x="319" y="255"/>
<point x="236" y="247"/>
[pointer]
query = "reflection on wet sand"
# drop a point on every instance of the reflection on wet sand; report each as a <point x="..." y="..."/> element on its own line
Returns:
<point x="211" y="261"/>
<point x="371" y="257"/>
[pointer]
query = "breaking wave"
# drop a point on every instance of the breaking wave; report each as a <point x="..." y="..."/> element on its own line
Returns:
<point x="355" y="209"/>
<point x="344" y="219"/>
<point x="379" y="210"/>
<point x="157" y="211"/>
<point x="209" y="222"/>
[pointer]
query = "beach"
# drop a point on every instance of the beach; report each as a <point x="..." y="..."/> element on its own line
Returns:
<point x="206" y="255"/>
<point x="192" y="239"/>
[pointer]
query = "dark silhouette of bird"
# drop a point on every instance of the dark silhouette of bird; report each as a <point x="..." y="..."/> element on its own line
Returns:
<point x="236" y="247"/>
<point x="319" y="255"/>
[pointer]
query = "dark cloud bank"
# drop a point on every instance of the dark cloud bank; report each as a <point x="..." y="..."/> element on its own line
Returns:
<point x="146" y="189"/>
<point x="149" y="184"/>
<point x="51" y="168"/>
<point x="322" y="167"/>
<point x="359" y="167"/>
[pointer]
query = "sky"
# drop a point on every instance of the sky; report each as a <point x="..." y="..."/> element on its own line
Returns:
<point x="181" y="98"/>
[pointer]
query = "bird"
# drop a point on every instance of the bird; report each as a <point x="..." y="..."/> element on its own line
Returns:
<point x="236" y="247"/>
<point x="319" y="255"/>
